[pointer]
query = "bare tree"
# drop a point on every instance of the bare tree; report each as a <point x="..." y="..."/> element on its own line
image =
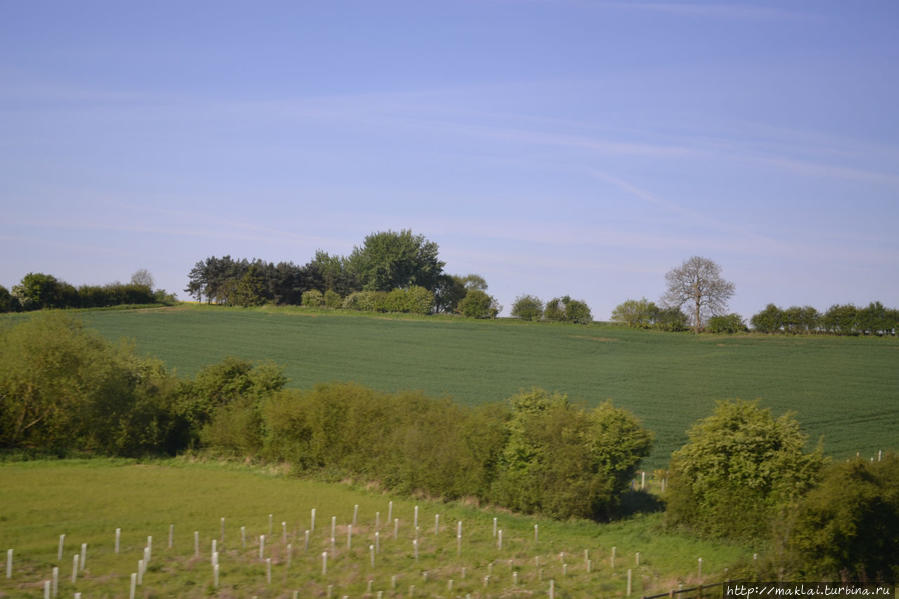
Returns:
<point x="142" y="277"/>
<point x="698" y="283"/>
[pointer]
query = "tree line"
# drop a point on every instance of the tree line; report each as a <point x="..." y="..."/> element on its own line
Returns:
<point x="38" y="291"/>
<point x="698" y="285"/>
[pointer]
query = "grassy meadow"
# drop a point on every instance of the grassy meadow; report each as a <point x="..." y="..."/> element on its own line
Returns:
<point x="843" y="389"/>
<point x="88" y="500"/>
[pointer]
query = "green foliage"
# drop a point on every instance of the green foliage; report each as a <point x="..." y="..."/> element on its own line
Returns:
<point x="406" y="441"/>
<point x="841" y="319"/>
<point x="332" y="299"/>
<point x="527" y="307"/>
<point x="554" y="311"/>
<point x="739" y="467"/>
<point x="670" y="319"/>
<point x="366" y="301"/>
<point x="577" y="311"/>
<point x="388" y="260"/>
<point x="635" y="313"/>
<point x="38" y="290"/>
<point x="848" y="526"/>
<point x="566" y="309"/>
<point x="448" y="292"/>
<point x="64" y="388"/>
<point x="222" y="402"/>
<point x="565" y="461"/>
<point x="726" y="323"/>
<point x="313" y="298"/>
<point x="769" y="320"/>
<point x="477" y="304"/>
<point x="8" y="302"/>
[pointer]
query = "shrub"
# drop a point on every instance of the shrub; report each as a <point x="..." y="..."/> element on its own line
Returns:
<point x="313" y="298"/>
<point x="527" y="307"/>
<point x="848" y="527"/>
<point x="332" y="299"/>
<point x="567" y="462"/>
<point x="726" y="323"/>
<point x="739" y="461"/>
<point x="635" y="313"/>
<point x="477" y="304"/>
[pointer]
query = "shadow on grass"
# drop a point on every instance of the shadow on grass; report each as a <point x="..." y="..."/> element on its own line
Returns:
<point x="639" y="502"/>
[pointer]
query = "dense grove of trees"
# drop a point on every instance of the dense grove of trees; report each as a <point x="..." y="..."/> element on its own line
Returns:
<point x="37" y="291"/>
<point x="390" y="272"/>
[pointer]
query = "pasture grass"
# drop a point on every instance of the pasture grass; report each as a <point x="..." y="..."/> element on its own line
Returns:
<point x="88" y="499"/>
<point x="843" y="389"/>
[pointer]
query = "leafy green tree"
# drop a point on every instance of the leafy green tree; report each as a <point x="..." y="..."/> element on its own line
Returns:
<point x="577" y="311"/>
<point x="388" y="260"/>
<point x="63" y="387"/>
<point x="331" y="273"/>
<point x="449" y="291"/>
<point x="848" y="526"/>
<point x="554" y="311"/>
<point x="567" y="310"/>
<point x="769" y="320"/>
<point x="727" y="323"/>
<point x="477" y="304"/>
<point x="738" y="469"/>
<point x="527" y="307"/>
<point x="38" y="290"/>
<point x="223" y="402"/>
<point x="698" y="283"/>
<point x="564" y="461"/>
<point x="873" y="319"/>
<point x="8" y="302"/>
<point x="841" y="319"/>
<point x="635" y="313"/>
<point x="249" y="290"/>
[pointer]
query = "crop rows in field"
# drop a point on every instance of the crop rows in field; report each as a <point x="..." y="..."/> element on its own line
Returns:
<point x="842" y="389"/>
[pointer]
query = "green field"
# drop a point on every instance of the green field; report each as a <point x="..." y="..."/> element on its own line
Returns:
<point x="845" y="390"/>
<point x="88" y="500"/>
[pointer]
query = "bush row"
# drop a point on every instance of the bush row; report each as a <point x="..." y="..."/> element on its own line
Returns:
<point x="63" y="388"/>
<point x="37" y="291"/>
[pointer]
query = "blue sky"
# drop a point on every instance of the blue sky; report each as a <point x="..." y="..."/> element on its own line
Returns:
<point x="569" y="147"/>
